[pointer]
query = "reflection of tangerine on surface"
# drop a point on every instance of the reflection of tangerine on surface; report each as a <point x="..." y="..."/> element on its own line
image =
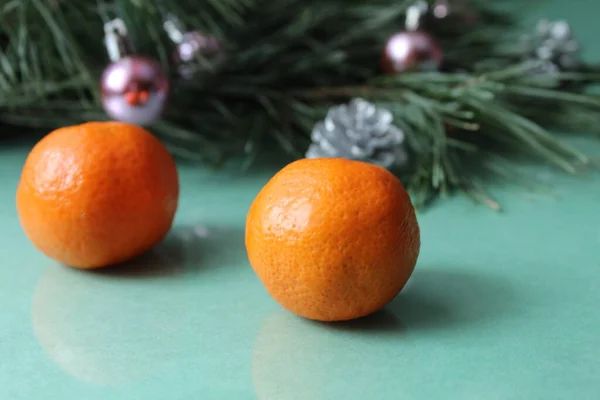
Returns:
<point x="296" y="359"/>
<point x="282" y="369"/>
<point x="106" y="329"/>
<point x="415" y="349"/>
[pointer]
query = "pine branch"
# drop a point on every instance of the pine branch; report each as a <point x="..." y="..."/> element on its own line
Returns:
<point x="288" y="61"/>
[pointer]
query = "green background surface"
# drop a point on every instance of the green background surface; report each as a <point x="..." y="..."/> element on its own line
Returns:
<point x="501" y="306"/>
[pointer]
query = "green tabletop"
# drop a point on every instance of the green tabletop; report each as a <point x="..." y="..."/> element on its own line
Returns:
<point x="501" y="305"/>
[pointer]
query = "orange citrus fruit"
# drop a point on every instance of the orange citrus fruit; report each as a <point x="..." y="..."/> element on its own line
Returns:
<point x="332" y="239"/>
<point x="97" y="194"/>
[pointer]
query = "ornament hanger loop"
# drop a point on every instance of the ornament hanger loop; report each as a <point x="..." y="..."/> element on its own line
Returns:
<point x="174" y="28"/>
<point x="115" y="33"/>
<point x="414" y="14"/>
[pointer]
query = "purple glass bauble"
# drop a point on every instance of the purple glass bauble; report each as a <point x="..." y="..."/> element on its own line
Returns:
<point x="411" y="51"/>
<point x="134" y="90"/>
<point x="193" y="45"/>
<point x="457" y="10"/>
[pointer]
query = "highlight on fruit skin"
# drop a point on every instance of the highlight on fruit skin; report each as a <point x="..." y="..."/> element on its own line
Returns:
<point x="332" y="239"/>
<point x="97" y="194"/>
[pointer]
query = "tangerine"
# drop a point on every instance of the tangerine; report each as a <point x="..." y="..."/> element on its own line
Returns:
<point x="332" y="239"/>
<point x="97" y="194"/>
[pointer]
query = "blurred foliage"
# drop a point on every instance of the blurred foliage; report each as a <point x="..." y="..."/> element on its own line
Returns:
<point x="287" y="62"/>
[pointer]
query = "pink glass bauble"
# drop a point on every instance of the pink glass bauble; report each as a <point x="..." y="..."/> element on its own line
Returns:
<point x="456" y="9"/>
<point x="411" y="51"/>
<point x="134" y="90"/>
<point x="193" y="45"/>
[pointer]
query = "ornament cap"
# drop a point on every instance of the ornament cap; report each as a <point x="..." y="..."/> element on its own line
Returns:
<point x="441" y="9"/>
<point x="173" y="28"/>
<point x="115" y="34"/>
<point x="414" y="15"/>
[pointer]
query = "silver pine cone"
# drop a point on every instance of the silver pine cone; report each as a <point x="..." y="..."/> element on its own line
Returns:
<point x="359" y="131"/>
<point x="554" y="44"/>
